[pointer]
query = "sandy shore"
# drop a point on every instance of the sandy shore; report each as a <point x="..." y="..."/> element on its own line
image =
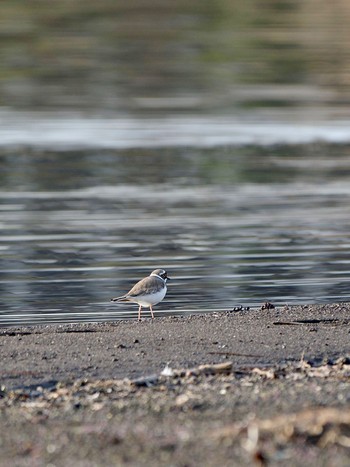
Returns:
<point x="268" y="380"/>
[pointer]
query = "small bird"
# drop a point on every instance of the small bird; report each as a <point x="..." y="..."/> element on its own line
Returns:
<point x="147" y="292"/>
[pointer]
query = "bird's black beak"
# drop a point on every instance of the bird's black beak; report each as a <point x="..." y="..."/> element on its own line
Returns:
<point x="168" y="278"/>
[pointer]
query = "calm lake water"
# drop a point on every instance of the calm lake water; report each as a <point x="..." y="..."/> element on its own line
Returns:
<point x="210" y="138"/>
<point x="233" y="226"/>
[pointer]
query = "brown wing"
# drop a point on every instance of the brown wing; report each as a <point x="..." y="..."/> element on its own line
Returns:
<point x="148" y="285"/>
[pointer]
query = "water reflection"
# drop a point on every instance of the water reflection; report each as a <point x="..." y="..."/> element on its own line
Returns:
<point x="159" y="56"/>
<point x="232" y="226"/>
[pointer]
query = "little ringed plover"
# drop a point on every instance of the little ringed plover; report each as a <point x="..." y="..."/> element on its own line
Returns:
<point x="147" y="292"/>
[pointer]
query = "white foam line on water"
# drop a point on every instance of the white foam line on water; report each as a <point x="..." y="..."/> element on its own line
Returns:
<point x="172" y="194"/>
<point x="73" y="131"/>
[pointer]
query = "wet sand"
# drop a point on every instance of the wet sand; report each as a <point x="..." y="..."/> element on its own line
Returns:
<point x="238" y="389"/>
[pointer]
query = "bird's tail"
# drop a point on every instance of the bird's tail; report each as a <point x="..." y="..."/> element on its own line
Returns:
<point x="123" y="298"/>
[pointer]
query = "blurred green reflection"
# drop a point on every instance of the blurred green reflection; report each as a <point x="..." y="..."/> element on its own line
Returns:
<point x="173" y="55"/>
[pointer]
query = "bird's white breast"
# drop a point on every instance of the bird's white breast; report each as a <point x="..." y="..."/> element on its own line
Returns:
<point x="152" y="299"/>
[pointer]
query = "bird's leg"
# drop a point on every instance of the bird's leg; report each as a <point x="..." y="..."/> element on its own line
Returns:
<point x="140" y="308"/>
<point x="150" y="307"/>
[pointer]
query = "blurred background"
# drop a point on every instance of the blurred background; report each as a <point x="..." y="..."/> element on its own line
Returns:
<point x="204" y="56"/>
<point x="210" y="138"/>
